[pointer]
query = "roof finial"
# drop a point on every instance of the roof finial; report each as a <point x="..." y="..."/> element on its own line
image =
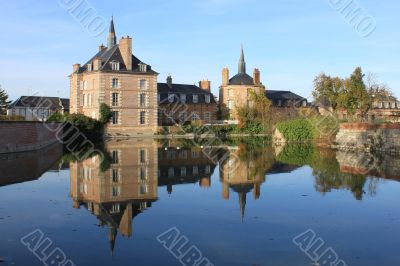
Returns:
<point x="112" y="38"/>
<point x="242" y="63"/>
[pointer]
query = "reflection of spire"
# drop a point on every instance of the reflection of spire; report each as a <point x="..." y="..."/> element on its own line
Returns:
<point x="242" y="203"/>
<point x="112" y="235"/>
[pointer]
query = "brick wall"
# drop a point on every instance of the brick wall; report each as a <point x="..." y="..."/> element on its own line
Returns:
<point x="18" y="136"/>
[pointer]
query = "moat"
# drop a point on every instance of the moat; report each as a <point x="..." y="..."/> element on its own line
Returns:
<point x="244" y="203"/>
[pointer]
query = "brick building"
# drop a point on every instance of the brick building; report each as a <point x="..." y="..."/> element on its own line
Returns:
<point x="181" y="103"/>
<point x="116" y="77"/>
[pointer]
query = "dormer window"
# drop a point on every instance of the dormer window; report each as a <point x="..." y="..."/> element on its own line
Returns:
<point x="142" y="67"/>
<point x="89" y="67"/>
<point x="183" y="98"/>
<point x="195" y="98"/>
<point x="208" y="98"/>
<point x="171" y="98"/>
<point x="115" y="66"/>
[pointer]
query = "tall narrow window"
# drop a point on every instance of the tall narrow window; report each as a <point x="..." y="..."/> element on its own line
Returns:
<point x="115" y="176"/>
<point x="115" y="83"/>
<point x="195" y="98"/>
<point x="115" y="117"/>
<point x="115" y="66"/>
<point x="142" y="117"/>
<point x="143" y="84"/>
<point x="143" y="173"/>
<point x="115" y="157"/>
<point x="115" y="99"/>
<point x="183" y="98"/>
<point x="208" y="98"/>
<point x="142" y="100"/>
<point x="142" y="156"/>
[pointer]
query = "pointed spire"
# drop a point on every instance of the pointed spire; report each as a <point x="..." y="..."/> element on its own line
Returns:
<point x="242" y="63"/>
<point x="242" y="204"/>
<point x="112" y="38"/>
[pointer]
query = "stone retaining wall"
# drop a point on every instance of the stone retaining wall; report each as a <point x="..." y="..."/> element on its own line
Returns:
<point x="369" y="137"/>
<point x="18" y="136"/>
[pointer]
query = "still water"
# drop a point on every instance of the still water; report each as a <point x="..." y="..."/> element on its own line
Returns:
<point x="148" y="202"/>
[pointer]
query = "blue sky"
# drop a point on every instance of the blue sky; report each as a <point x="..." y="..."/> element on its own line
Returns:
<point x="289" y="41"/>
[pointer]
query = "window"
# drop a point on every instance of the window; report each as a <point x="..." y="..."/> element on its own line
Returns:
<point x="195" y="170"/>
<point x="83" y="85"/>
<point x="89" y="67"/>
<point x="207" y="117"/>
<point x="143" y="84"/>
<point x="144" y="189"/>
<point x="115" y="66"/>
<point x="208" y="169"/>
<point x="183" y="171"/>
<point x="83" y="100"/>
<point x="171" y="97"/>
<point x="195" y="116"/>
<point x="115" y="117"/>
<point x="195" y="154"/>
<point x="115" y="175"/>
<point x="115" y="208"/>
<point x="195" y="98"/>
<point x="142" y="100"/>
<point x="183" y="98"/>
<point x="142" y="156"/>
<point x="142" y="117"/>
<point x="158" y="97"/>
<point x="208" y="98"/>
<point x="183" y="116"/>
<point x="115" y="83"/>
<point x="116" y="191"/>
<point x="143" y="173"/>
<point x="115" y="157"/>
<point x="279" y="103"/>
<point x="114" y="99"/>
<point x="171" y="172"/>
<point x="230" y="104"/>
<point x="142" y="67"/>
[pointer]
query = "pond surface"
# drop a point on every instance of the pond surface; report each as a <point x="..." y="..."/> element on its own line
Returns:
<point x="146" y="202"/>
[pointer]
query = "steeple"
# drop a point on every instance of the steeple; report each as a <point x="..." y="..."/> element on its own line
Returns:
<point x="112" y="38"/>
<point x="242" y="63"/>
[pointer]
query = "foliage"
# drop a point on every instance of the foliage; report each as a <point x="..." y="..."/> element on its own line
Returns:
<point x="254" y="117"/>
<point x="56" y="117"/>
<point x="105" y="113"/>
<point x="297" y="154"/>
<point x="11" y="118"/>
<point x="327" y="90"/>
<point x="86" y="125"/>
<point x="4" y="102"/>
<point x="297" y="130"/>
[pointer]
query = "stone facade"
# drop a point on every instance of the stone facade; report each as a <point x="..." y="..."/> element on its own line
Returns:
<point x="235" y="92"/>
<point x="116" y="77"/>
<point x="369" y="137"/>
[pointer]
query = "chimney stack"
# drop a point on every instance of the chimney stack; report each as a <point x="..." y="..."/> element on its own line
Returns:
<point x="257" y="76"/>
<point x="225" y="76"/>
<point x="76" y="67"/>
<point x="125" y="46"/>
<point x="102" y="47"/>
<point x="205" y="85"/>
<point x="169" y="81"/>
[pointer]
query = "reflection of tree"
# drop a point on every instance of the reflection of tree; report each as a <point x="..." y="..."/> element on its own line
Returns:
<point x="326" y="171"/>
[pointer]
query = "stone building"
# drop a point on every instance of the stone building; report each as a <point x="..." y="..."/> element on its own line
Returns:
<point x="235" y="92"/>
<point x="116" y="77"/>
<point x="38" y="108"/>
<point x="181" y="103"/>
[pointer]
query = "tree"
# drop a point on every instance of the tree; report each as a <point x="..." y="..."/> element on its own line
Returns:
<point x="4" y="103"/>
<point x="377" y="90"/>
<point x="327" y="90"/>
<point x="105" y="113"/>
<point x="255" y="115"/>
<point x="354" y="96"/>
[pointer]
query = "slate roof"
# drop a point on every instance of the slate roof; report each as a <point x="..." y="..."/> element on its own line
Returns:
<point x="241" y="79"/>
<point x="41" y="101"/>
<point x="114" y="54"/>
<point x="283" y="95"/>
<point x="178" y="89"/>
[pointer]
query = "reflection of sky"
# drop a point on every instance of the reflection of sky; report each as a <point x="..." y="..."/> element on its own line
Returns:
<point x="362" y="232"/>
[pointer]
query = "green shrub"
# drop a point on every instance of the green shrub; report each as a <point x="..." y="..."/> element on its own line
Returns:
<point x="297" y="154"/>
<point x="105" y="113"/>
<point x="296" y="130"/>
<point x="12" y="118"/>
<point x="56" y="117"/>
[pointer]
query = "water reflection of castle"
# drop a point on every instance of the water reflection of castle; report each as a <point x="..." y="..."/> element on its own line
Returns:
<point x="120" y="192"/>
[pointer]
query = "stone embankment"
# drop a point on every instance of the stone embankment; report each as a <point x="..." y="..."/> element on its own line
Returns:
<point x="369" y="138"/>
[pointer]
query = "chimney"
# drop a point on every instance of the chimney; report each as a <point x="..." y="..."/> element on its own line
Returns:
<point x="205" y="85"/>
<point x="76" y="67"/>
<point x="225" y="76"/>
<point x="96" y="64"/>
<point x="125" y="46"/>
<point x="102" y="47"/>
<point x="256" y="76"/>
<point x="169" y="81"/>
